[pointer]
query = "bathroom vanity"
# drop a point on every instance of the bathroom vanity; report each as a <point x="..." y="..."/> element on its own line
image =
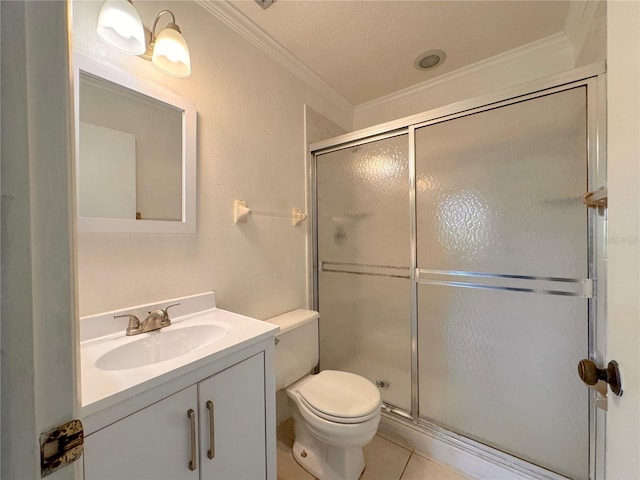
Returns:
<point x="194" y="400"/>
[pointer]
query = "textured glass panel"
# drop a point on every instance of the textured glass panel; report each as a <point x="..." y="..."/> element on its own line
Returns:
<point x="365" y="329"/>
<point x="363" y="204"/>
<point x="500" y="367"/>
<point x="363" y="220"/>
<point x="501" y="191"/>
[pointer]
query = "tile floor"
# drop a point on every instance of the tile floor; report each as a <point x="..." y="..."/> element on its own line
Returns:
<point x="384" y="461"/>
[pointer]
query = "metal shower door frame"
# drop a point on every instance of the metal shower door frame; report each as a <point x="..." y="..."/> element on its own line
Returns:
<point x="593" y="78"/>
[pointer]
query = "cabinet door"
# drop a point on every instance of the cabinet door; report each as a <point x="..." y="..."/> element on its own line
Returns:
<point x="153" y="444"/>
<point x="232" y="425"/>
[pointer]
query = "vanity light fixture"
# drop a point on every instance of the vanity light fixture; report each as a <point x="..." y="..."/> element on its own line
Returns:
<point x="168" y="50"/>
<point x="120" y="26"/>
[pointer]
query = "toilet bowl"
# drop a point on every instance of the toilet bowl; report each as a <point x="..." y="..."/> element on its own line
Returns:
<point x="335" y="413"/>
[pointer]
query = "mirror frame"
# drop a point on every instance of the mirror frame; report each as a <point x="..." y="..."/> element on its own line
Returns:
<point x="82" y="63"/>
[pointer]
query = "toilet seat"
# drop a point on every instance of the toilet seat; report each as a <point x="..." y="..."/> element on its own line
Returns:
<point x="341" y="397"/>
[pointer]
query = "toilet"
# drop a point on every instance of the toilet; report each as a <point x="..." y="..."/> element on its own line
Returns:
<point x="335" y="413"/>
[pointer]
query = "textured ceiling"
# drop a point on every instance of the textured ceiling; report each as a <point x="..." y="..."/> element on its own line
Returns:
<point x="366" y="49"/>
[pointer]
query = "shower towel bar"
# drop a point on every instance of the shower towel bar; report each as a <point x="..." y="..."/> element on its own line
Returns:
<point x="241" y="211"/>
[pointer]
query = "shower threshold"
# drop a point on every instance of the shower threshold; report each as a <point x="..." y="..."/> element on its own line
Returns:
<point x="456" y="451"/>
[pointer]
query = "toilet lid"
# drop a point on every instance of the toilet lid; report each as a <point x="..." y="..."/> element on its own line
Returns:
<point x="339" y="396"/>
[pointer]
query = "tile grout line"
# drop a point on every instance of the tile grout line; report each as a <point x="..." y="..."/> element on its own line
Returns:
<point x="406" y="465"/>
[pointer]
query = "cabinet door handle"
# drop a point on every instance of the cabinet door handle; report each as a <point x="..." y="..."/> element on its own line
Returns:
<point x="192" y="420"/>
<point x="212" y="436"/>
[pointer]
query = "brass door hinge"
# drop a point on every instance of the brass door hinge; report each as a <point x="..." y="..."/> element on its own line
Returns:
<point x="61" y="446"/>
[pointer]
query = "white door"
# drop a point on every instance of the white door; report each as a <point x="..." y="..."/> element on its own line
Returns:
<point x="623" y="295"/>
<point x="38" y="296"/>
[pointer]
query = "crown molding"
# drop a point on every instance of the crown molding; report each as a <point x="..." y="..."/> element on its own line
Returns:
<point x="573" y="19"/>
<point x="580" y="16"/>
<point x="235" y="20"/>
<point x="515" y="56"/>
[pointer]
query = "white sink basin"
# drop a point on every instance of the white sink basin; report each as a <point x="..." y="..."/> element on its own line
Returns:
<point x="116" y="368"/>
<point x="161" y="345"/>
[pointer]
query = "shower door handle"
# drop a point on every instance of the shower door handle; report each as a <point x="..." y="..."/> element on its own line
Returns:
<point x="590" y="374"/>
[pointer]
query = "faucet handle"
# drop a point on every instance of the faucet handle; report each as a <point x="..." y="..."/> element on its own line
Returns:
<point x="165" y="309"/>
<point x="134" y="323"/>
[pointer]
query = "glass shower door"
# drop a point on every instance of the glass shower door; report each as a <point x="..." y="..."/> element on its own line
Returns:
<point x="503" y="288"/>
<point x="364" y="291"/>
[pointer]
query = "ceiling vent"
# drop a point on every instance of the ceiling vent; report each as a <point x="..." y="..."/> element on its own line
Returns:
<point x="265" y="3"/>
<point x="429" y="60"/>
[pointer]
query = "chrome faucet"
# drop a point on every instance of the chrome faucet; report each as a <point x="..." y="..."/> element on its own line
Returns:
<point x="156" y="320"/>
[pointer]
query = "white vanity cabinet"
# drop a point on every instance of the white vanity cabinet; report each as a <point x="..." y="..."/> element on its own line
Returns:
<point x="153" y="443"/>
<point x="232" y="423"/>
<point x="226" y="441"/>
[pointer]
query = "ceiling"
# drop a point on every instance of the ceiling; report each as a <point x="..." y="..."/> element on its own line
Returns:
<point x="366" y="49"/>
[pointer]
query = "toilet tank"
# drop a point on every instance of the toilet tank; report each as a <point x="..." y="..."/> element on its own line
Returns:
<point x="296" y="352"/>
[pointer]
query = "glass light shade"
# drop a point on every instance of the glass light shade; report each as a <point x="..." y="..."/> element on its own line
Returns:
<point x="120" y="26"/>
<point x="171" y="54"/>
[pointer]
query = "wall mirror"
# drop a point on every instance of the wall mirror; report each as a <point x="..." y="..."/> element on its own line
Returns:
<point x="135" y="153"/>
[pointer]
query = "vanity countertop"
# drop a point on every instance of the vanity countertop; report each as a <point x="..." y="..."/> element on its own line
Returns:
<point x="105" y="385"/>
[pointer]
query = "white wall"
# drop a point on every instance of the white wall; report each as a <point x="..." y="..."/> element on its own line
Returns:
<point x="250" y="129"/>
<point x="623" y="156"/>
<point x="318" y="127"/>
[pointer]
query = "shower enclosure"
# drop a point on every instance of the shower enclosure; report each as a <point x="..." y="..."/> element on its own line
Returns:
<point x="456" y="267"/>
